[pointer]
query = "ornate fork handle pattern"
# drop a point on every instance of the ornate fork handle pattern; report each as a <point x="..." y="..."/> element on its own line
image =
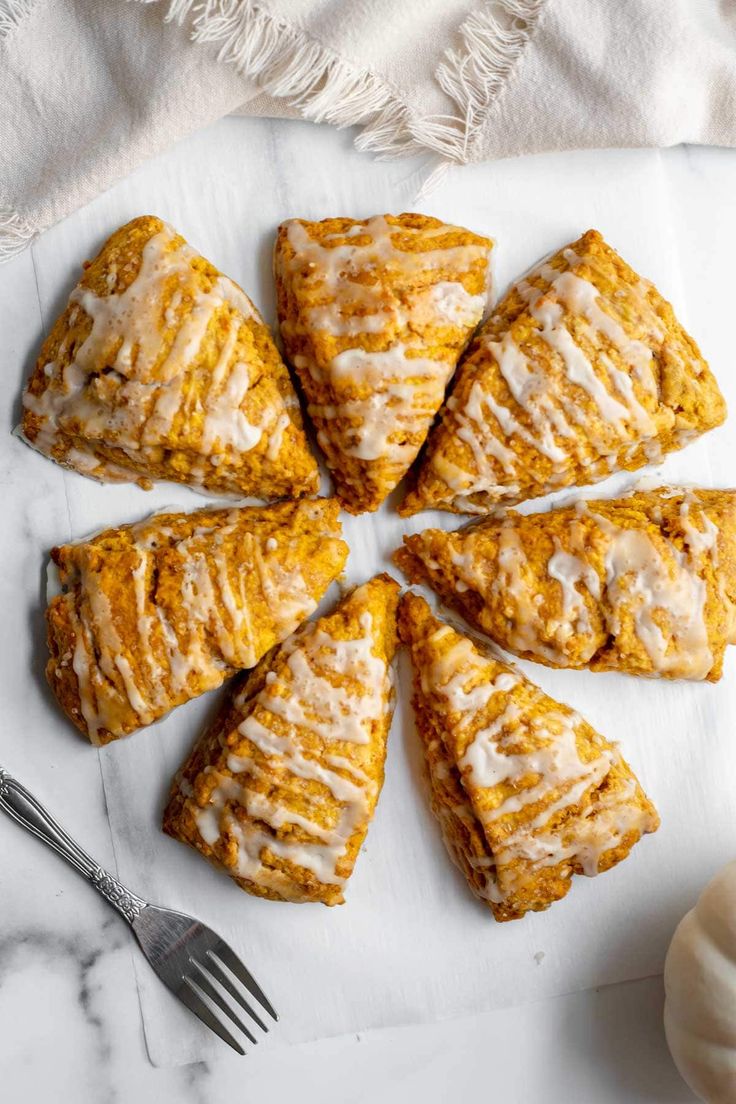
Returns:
<point x="118" y="896"/>
<point x="26" y="810"/>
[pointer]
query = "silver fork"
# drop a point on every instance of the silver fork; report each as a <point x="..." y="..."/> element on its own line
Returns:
<point x="189" y="958"/>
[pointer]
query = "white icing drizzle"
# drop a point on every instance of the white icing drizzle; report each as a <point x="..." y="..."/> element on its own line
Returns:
<point x="699" y="541"/>
<point x="456" y="304"/>
<point x="450" y="674"/>
<point x="596" y="417"/>
<point x="597" y="828"/>
<point x="286" y="590"/>
<point x="555" y="764"/>
<point x="525" y="628"/>
<point x="82" y="671"/>
<point x="130" y="379"/>
<point x="406" y="390"/>
<point x="582" y="297"/>
<point x="575" y="577"/>
<point x="578" y="368"/>
<point x="213" y="640"/>
<point x="664" y="595"/>
<point x="544" y="778"/>
<point x="646" y="582"/>
<point x="277" y="436"/>
<point x="304" y="700"/>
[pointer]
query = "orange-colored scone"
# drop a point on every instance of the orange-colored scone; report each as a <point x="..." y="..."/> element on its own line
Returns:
<point x="374" y="315"/>
<point x="527" y="793"/>
<point x="156" y="613"/>
<point x="280" y="791"/>
<point x="582" y="370"/>
<point x="160" y="367"/>
<point x="644" y="584"/>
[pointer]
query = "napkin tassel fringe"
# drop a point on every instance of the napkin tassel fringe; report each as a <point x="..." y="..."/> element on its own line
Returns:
<point x="286" y="63"/>
<point x="11" y="14"/>
<point x="494" y="39"/>
<point x="15" y="233"/>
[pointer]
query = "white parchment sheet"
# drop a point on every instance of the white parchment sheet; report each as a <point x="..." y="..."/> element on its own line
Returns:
<point x="411" y="944"/>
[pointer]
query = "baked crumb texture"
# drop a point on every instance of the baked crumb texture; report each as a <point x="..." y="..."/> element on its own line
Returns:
<point x="280" y="791"/>
<point x="156" y="613"/>
<point x="374" y="316"/>
<point x="582" y="370"/>
<point x="526" y="792"/>
<point x="644" y="584"/>
<point x="160" y="367"/>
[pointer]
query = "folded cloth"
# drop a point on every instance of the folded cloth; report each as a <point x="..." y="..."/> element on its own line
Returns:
<point x="90" y="88"/>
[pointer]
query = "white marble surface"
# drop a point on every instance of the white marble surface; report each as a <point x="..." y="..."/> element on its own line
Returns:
<point x="69" y="1018"/>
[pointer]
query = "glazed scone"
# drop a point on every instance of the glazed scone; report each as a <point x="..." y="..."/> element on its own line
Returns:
<point x="526" y="792"/>
<point x="160" y="367"/>
<point x="582" y="370"/>
<point x="644" y="584"/>
<point x="280" y="791"/>
<point x="374" y="315"/>
<point x="154" y="614"/>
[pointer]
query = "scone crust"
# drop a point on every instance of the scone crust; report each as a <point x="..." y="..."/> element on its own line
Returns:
<point x="156" y="613"/>
<point x="556" y="800"/>
<point x="284" y="766"/>
<point x="583" y="369"/>
<point x="374" y="314"/>
<point x="644" y="584"/>
<point x="160" y="367"/>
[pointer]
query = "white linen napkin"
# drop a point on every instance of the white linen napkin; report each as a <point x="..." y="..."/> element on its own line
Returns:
<point x="90" y="88"/>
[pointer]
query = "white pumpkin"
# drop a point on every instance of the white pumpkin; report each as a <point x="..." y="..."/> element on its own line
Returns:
<point x="700" y="988"/>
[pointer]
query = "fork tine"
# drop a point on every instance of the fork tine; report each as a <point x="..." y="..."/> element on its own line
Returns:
<point x="236" y="967"/>
<point x="204" y="980"/>
<point x="220" y="974"/>
<point x="192" y="997"/>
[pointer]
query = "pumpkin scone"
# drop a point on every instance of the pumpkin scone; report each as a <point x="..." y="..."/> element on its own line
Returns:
<point x="374" y="315"/>
<point x="644" y="584"/>
<point x="582" y="370"/>
<point x="280" y="791"/>
<point x="526" y="792"/>
<point x="160" y="367"/>
<point x="156" y="613"/>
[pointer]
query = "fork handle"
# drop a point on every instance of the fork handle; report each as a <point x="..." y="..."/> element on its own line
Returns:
<point x="27" y="810"/>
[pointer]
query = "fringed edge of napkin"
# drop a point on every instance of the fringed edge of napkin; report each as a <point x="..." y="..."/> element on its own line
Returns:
<point x="284" y="61"/>
<point x="15" y="233"/>
<point x="11" y="13"/>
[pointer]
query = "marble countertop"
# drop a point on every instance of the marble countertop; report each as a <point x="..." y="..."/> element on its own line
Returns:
<point x="70" y="1022"/>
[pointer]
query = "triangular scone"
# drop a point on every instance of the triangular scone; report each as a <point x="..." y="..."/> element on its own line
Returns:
<point x="280" y="791"/>
<point x="161" y="368"/>
<point x="374" y="315"/>
<point x="582" y="370"/>
<point x="526" y="792"/>
<point x="644" y="584"/>
<point x="156" y="613"/>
